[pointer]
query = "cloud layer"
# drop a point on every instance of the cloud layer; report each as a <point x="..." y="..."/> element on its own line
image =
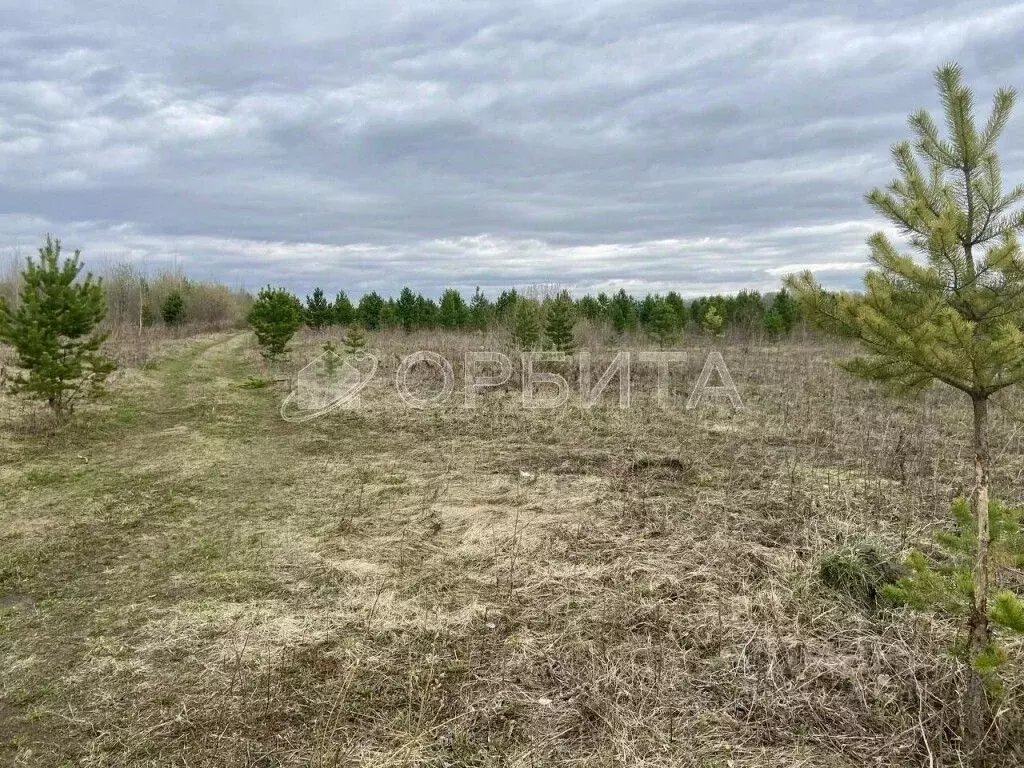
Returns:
<point x="645" y="144"/>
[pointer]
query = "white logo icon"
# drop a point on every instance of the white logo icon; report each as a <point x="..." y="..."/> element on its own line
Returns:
<point x="331" y="381"/>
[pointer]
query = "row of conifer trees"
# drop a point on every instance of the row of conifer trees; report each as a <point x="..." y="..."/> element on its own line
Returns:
<point x="662" y="316"/>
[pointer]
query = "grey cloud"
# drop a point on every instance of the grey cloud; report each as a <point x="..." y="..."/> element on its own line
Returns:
<point x="653" y="144"/>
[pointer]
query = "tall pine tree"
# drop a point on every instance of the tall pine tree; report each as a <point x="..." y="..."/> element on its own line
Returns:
<point x="955" y="314"/>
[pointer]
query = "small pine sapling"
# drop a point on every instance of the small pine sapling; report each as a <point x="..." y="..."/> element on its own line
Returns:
<point x="53" y="331"/>
<point x="944" y="581"/>
<point x="275" y="316"/>
<point x="712" y="323"/>
<point x="354" y="340"/>
<point x="172" y="310"/>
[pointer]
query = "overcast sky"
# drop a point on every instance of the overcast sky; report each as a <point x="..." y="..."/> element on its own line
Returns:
<point x="357" y="144"/>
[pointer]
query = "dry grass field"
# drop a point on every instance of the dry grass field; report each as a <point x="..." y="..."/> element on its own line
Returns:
<point x="186" y="579"/>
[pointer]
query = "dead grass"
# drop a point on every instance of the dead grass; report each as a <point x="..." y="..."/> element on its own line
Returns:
<point x="186" y="579"/>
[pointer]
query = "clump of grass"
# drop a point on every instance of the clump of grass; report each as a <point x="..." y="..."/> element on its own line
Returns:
<point x="255" y="382"/>
<point x="860" y="572"/>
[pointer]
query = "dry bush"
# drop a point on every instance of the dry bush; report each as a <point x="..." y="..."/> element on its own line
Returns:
<point x="134" y="299"/>
<point x="134" y="304"/>
<point x="10" y="278"/>
<point x="213" y="306"/>
<point x="125" y="290"/>
<point x="208" y="306"/>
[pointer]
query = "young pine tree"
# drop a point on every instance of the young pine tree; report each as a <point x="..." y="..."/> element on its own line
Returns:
<point x="782" y="315"/>
<point x="480" y="311"/>
<point x="331" y="360"/>
<point x="505" y="304"/>
<point x="172" y="310"/>
<point x="746" y="310"/>
<point x="952" y="315"/>
<point x="452" y="312"/>
<point x="712" y="322"/>
<point x="676" y="304"/>
<point x="406" y="309"/>
<point x="53" y="331"/>
<point x="946" y="582"/>
<point x="426" y="312"/>
<point x="663" y="323"/>
<point x="370" y="312"/>
<point x="525" y="324"/>
<point x="318" y="310"/>
<point x="342" y="311"/>
<point x="590" y="309"/>
<point x="559" y="324"/>
<point x="354" y="340"/>
<point x="622" y="310"/>
<point x="388" y="316"/>
<point x="275" y="316"/>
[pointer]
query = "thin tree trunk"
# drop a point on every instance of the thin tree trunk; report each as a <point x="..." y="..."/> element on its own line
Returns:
<point x="976" y="709"/>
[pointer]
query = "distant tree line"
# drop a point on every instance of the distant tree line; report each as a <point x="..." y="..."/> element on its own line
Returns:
<point x="664" y="317"/>
<point x="171" y="299"/>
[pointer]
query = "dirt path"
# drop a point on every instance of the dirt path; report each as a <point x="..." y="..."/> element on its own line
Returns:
<point x="185" y="520"/>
